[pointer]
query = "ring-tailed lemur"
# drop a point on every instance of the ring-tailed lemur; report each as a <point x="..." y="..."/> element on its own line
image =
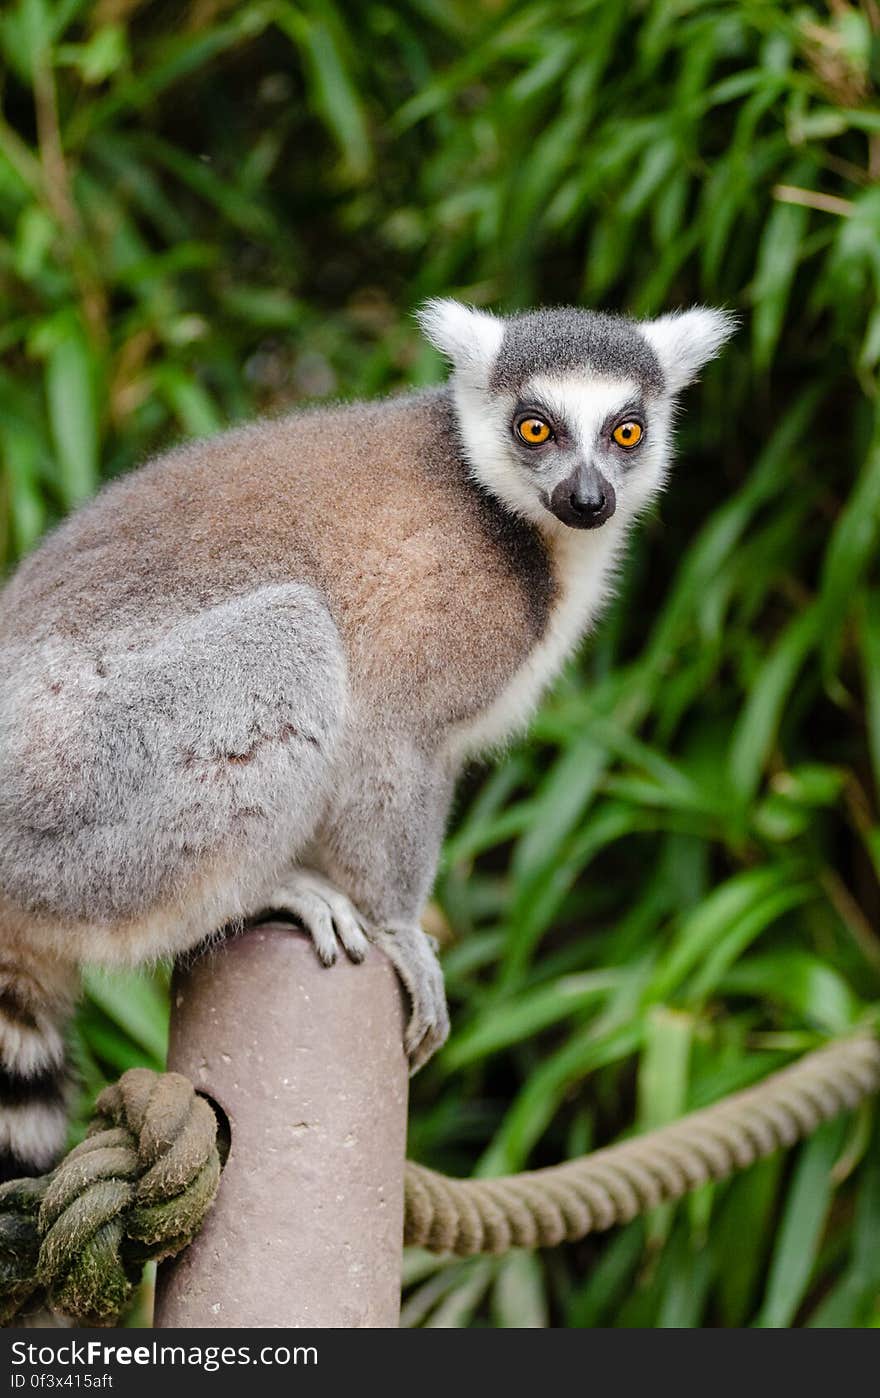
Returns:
<point x="246" y="676"/>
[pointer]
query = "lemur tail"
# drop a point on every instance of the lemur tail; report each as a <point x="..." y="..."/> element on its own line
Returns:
<point x="36" y="998"/>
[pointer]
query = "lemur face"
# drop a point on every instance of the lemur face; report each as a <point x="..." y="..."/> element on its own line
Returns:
<point x="566" y="415"/>
<point x="578" y="442"/>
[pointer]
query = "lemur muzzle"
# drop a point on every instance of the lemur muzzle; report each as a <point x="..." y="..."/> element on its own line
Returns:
<point x="584" y="500"/>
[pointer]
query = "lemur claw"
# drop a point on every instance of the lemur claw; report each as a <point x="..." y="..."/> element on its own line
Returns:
<point x="326" y="914"/>
<point x="412" y="954"/>
<point x="330" y="918"/>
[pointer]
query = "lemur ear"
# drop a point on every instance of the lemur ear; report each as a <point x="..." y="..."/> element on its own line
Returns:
<point x="469" y="339"/>
<point x="686" y="340"/>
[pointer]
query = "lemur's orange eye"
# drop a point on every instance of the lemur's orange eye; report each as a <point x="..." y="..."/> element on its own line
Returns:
<point x="534" y="431"/>
<point x="627" y="434"/>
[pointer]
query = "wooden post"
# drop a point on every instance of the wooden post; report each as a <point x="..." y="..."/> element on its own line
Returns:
<point x="308" y="1065"/>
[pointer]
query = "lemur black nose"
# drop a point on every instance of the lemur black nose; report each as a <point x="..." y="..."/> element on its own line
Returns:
<point x="584" y="500"/>
<point x="588" y="505"/>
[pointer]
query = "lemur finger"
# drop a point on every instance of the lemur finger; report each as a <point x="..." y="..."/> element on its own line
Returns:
<point x="319" y="924"/>
<point x="412" y="956"/>
<point x="327" y="914"/>
<point x="348" y="929"/>
<point x="425" y="1036"/>
<point x="351" y="936"/>
<point x="315" y="918"/>
<point x="426" y="1049"/>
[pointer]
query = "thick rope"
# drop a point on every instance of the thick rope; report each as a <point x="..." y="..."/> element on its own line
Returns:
<point x="140" y="1184"/>
<point x="566" y="1202"/>
<point x="138" y="1187"/>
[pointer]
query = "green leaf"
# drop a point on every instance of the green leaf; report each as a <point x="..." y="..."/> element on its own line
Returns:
<point x="854" y="1299"/>
<point x="190" y="402"/>
<point x="663" y="1067"/>
<point x="746" y="1212"/>
<point x="869" y="633"/>
<point x="519" y="1300"/>
<point x="562" y="799"/>
<point x="777" y="263"/>
<point x="514" y="1021"/>
<point x="740" y="935"/>
<point x="748" y="899"/>
<point x="662" y="1088"/>
<point x="334" y="88"/>
<point x="799" y="980"/>
<point x="757" y="728"/>
<point x="22" y="452"/>
<point x="851" y="551"/>
<point x="532" y="1110"/>
<point x="600" y="1292"/>
<point x="800" y="1233"/>
<point x="70" y="375"/>
<point x="104" y="53"/>
<point x="135" y="1004"/>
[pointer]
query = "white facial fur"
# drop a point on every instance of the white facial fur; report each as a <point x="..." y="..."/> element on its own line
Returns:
<point x="582" y="398"/>
<point x="586" y="401"/>
<point x="686" y="340"/>
<point x="469" y="339"/>
<point x="584" y="404"/>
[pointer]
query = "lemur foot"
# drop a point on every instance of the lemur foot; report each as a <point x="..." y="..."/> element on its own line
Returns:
<point x="325" y="913"/>
<point x="414" y="957"/>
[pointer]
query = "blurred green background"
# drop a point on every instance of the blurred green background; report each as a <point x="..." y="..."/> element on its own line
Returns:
<point x="209" y="209"/>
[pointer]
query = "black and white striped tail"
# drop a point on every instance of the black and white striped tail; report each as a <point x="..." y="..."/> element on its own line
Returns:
<point x="34" y="1080"/>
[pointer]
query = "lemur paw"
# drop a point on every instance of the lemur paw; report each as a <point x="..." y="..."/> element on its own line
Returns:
<point x="413" y="955"/>
<point x="325" y="913"/>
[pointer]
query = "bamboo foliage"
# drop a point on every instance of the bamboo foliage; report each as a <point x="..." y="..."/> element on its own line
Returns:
<point x="672" y="886"/>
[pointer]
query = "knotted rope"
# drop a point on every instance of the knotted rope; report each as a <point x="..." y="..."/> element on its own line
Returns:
<point x="138" y="1187"/>
<point x="141" y="1183"/>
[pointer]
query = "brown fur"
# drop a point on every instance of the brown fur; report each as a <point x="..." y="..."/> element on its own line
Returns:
<point x="382" y="485"/>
